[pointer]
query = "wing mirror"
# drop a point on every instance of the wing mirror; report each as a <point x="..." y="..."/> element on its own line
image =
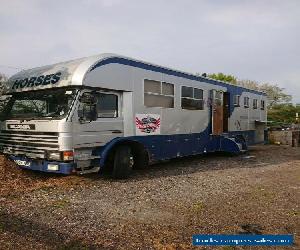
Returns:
<point x="88" y="98"/>
<point x="87" y="109"/>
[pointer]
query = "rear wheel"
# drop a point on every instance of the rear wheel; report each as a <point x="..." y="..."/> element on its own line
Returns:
<point x="140" y="159"/>
<point x="123" y="162"/>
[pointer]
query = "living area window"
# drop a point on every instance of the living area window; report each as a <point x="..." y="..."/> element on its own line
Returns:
<point x="237" y="100"/>
<point x="158" y="94"/>
<point x="191" y="98"/>
<point x="255" y="104"/>
<point x="262" y="105"/>
<point x="246" y="102"/>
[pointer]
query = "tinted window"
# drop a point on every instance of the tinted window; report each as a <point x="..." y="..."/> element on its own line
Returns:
<point x="107" y="105"/>
<point x="191" y="104"/>
<point x="255" y="103"/>
<point x="246" y="102"/>
<point x="237" y="100"/>
<point x="191" y="98"/>
<point x="158" y="101"/>
<point x="167" y="88"/>
<point x="198" y="93"/>
<point x="151" y="86"/>
<point x="187" y="92"/>
<point x="158" y="94"/>
<point x="262" y="105"/>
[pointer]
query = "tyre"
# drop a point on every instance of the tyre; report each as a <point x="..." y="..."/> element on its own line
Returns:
<point x="123" y="162"/>
<point x="140" y="159"/>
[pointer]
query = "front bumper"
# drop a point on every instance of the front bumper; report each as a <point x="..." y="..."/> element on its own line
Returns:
<point x="42" y="165"/>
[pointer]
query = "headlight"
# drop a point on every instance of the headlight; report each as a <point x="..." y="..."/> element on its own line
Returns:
<point x="60" y="156"/>
<point x="54" y="156"/>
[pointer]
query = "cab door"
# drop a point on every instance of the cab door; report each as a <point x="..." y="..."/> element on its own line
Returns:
<point x="107" y="126"/>
<point x="217" y="112"/>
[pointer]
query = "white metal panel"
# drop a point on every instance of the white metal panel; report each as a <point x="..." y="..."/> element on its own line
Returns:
<point x="244" y="118"/>
<point x="127" y="111"/>
<point x="110" y="76"/>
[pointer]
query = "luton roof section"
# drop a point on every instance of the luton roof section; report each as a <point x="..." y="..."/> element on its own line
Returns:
<point x="73" y="73"/>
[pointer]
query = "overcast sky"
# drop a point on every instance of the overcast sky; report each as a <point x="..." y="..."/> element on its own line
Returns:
<point x="257" y="40"/>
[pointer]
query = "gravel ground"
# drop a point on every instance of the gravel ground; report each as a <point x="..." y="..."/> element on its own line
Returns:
<point x="158" y="208"/>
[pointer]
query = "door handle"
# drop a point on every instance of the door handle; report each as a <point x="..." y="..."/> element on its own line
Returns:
<point x="116" y="131"/>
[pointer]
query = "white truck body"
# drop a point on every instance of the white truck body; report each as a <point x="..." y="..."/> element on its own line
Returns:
<point x="168" y="113"/>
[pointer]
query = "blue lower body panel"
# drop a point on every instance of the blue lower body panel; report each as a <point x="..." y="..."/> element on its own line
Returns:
<point x="159" y="147"/>
<point x="42" y="165"/>
<point x="164" y="147"/>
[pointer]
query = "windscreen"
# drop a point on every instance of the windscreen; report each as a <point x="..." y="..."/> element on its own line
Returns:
<point x="4" y="100"/>
<point x="44" y="104"/>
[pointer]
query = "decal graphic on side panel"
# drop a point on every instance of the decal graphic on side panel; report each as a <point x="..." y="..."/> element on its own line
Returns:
<point x="147" y="124"/>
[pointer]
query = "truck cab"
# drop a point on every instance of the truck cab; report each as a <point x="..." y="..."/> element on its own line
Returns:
<point x="51" y="121"/>
<point x="56" y="130"/>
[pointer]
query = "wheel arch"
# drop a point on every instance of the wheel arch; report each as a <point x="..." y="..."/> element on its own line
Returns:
<point x="136" y="146"/>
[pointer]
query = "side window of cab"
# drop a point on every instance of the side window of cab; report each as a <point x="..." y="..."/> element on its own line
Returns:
<point x="107" y="105"/>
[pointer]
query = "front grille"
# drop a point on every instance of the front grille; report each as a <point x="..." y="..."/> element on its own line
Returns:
<point x="30" y="144"/>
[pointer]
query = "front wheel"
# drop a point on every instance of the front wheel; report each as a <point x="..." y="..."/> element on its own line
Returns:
<point x="123" y="162"/>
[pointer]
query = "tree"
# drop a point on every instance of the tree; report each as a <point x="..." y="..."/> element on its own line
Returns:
<point x="283" y="113"/>
<point x="222" y="77"/>
<point x="249" y="84"/>
<point x="276" y="95"/>
<point x="3" y="79"/>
